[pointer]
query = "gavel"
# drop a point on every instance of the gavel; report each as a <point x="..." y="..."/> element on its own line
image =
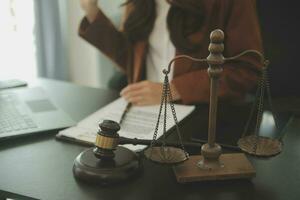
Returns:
<point x="108" y="162"/>
<point x="108" y="139"/>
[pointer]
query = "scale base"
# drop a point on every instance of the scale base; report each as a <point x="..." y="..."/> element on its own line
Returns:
<point x="236" y="166"/>
<point x="123" y="166"/>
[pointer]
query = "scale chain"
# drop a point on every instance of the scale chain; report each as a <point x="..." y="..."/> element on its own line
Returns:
<point x="264" y="86"/>
<point x="166" y="98"/>
<point x="175" y="117"/>
<point x="163" y="96"/>
<point x="256" y="97"/>
<point x="267" y="83"/>
<point x="162" y="148"/>
<point x="260" y="110"/>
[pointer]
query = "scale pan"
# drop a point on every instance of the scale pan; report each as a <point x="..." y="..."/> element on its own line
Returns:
<point x="166" y="155"/>
<point x="260" y="146"/>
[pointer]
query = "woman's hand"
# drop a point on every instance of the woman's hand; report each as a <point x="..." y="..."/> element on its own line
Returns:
<point x="90" y="8"/>
<point x="146" y="93"/>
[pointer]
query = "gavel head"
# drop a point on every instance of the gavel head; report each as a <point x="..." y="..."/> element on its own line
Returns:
<point x="107" y="139"/>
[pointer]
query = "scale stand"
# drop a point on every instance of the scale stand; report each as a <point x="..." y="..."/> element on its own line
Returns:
<point x="212" y="164"/>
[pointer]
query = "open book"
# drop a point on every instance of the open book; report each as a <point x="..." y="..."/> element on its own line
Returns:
<point x="139" y="122"/>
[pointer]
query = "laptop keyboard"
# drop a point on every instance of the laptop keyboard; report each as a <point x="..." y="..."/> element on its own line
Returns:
<point x="11" y="117"/>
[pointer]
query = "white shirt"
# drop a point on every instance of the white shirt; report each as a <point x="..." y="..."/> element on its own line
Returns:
<point x="161" y="49"/>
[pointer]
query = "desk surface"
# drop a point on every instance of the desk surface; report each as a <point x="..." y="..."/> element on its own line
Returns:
<point x="40" y="167"/>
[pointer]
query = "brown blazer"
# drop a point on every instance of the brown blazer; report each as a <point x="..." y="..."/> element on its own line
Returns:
<point x="238" y="20"/>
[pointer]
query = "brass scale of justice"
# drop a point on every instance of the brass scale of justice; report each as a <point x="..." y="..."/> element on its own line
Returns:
<point x="108" y="163"/>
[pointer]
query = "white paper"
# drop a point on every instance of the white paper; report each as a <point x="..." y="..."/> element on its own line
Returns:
<point x="139" y="122"/>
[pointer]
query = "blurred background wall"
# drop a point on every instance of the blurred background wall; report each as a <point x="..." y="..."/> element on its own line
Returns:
<point x="40" y="38"/>
<point x="87" y="65"/>
<point x="280" y="30"/>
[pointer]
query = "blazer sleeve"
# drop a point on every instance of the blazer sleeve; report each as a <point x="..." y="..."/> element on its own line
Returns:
<point x="103" y="35"/>
<point x="242" y="32"/>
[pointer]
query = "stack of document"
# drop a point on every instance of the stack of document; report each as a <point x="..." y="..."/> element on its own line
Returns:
<point x="139" y="122"/>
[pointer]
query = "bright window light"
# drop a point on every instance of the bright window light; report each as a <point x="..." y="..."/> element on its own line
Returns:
<point x="17" y="40"/>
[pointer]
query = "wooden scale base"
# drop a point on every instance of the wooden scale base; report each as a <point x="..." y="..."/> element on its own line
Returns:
<point x="234" y="166"/>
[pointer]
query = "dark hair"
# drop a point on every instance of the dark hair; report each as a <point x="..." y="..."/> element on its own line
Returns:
<point x="184" y="17"/>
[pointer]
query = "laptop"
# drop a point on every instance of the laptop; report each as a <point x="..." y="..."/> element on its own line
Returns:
<point x="28" y="110"/>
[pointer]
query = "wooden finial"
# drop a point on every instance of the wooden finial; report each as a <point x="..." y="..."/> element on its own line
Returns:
<point x="217" y="36"/>
<point x="216" y="48"/>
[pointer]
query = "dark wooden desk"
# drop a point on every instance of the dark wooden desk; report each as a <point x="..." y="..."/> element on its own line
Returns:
<point x="41" y="167"/>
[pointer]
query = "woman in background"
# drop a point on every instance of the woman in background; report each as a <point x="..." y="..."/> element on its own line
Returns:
<point x="154" y="31"/>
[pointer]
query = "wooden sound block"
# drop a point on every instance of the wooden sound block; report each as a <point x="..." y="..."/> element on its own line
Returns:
<point x="125" y="165"/>
<point x="236" y="166"/>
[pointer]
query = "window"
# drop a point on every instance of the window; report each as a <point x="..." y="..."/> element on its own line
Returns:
<point x="17" y="40"/>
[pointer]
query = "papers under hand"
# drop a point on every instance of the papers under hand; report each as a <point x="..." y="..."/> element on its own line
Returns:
<point x="139" y="122"/>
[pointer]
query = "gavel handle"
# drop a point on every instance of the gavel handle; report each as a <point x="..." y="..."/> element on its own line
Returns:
<point x="135" y="141"/>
